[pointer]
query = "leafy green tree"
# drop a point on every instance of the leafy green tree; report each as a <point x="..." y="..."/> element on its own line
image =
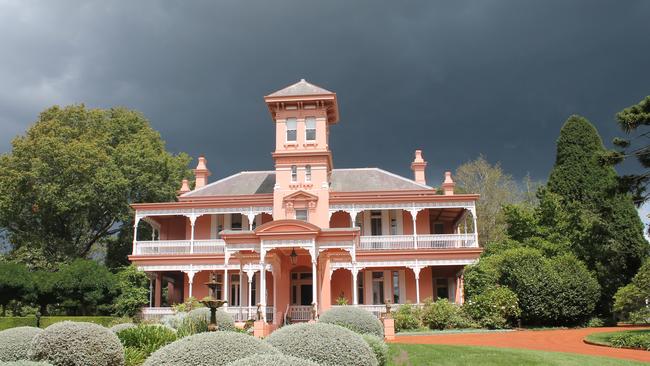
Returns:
<point x="632" y="298"/>
<point x="67" y="184"/>
<point x="86" y="287"/>
<point x="133" y="287"/>
<point x="632" y="120"/>
<point x="43" y="289"/>
<point x="14" y="283"/>
<point x="582" y="209"/>
<point x="496" y="189"/>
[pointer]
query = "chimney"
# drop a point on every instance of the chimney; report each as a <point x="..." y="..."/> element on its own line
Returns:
<point x="418" y="166"/>
<point x="185" y="187"/>
<point x="201" y="173"/>
<point x="448" y="185"/>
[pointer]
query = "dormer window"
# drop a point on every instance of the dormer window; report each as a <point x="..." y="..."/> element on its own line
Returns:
<point x="292" y="133"/>
<point x="308" y="173"/>
<point x="294" y="173"/>
<point x="310" y="129"/>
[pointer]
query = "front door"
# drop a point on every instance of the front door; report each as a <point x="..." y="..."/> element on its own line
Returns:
<point x="305" y="295"/>
<point x="301" y="288"/>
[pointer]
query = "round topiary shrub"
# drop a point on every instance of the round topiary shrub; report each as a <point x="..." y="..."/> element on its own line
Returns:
<point x="379" y="348"/>
<point x="325" y="344"/>
<point x="272" y="360"/>
<point x="72" y="343"/>
<point x="15" y="343"/>
<point x="355" y="319"/>
<point x="120" y="327"/>
<point x="211" y="348"/>
<point x="24" y="363"/>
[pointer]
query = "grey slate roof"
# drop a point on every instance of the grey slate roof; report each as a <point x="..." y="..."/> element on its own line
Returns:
<point x="300" y="88"/>
<point x="343" y="180"/>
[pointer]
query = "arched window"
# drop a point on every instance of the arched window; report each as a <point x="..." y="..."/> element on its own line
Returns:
<point x="308" y="173"/>
<point x="294" y="173"/>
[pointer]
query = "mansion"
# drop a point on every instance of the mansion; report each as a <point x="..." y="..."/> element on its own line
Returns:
<point x="306" y="236"/>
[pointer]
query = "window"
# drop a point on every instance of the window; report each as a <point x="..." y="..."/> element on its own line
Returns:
<point x="375" y="222"/>
<point x="442" y="288"/>
<point x="234" y="290"/>
<point x="301" y="215"/>
<point x="235" y="224"/>
<point x="393" y="222"/>
<point x="378" y="288"/>
<point x="253" y="294"/>
<point x="291" y="130"/>
<point x="395" y="287"/>
<point x="310" y="129"/>
<point x="308" y="173"/>
<point x="294" y="173"/>
<point x="360" y="287"/>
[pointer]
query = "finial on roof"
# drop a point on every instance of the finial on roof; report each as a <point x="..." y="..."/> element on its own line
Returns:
<point x="303" y="79"/>
<point x="185" y="187"/>
<point x="201" y="173"/>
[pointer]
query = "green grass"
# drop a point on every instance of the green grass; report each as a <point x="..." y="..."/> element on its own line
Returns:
<point x="30" y="321"/>
<point x="425" y="354"/>
<point x="604" y="338"/>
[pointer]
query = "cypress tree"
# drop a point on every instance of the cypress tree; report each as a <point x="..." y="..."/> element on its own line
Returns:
<point x="608" y="234"/>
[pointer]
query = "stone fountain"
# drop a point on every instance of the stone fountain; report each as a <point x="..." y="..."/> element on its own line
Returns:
<point x="212" y="302"/>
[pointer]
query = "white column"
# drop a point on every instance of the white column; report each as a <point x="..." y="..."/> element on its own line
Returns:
<point x="314" y="286"/>
<point x="241" y="291"/>
<point x="473" y="211"/>
<point x="226" y="289"/>
<point x="353" y="218"/>
<point x="414" y="216"/>
<point x="150" y="292"/>
<point x="190" y="282"/>
<point x="135" y="234"/>
<point x="249" y="277"/>
<point x="251" y="220"/>
<point x="192" y="222"/>
<point x="355" y="273"/>
<point x="416" y="271"/>
<point x="263" y="284"/>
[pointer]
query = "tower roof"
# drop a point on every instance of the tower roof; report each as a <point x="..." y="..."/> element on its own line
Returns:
<point x="303" y="87"/>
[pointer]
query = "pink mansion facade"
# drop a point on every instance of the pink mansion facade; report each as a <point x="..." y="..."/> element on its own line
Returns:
<point x="306" y="235"/>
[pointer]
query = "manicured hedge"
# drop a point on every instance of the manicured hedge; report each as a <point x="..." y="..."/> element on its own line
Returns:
<point x="356" y="319"/>
<point x="30" y="321"/>
<point x="272" y="360"/>
<point x="15" y="343"/>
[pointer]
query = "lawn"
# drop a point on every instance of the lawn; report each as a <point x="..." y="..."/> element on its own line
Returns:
<point x="604" y="338"/>
<point x="424" y="354"/>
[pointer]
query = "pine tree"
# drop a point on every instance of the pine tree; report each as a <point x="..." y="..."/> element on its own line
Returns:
<point x="607" y="232"/>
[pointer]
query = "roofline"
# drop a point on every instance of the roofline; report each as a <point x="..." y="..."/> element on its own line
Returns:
<point x="398" y="196"/>
<point x="261" y="199"/>
<point x="404" y="178"/>
<point x="189" y="194"/>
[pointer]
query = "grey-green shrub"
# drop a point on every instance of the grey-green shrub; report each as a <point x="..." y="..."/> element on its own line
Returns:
<point x="208" y="349"/>
<point x="355" y="319"/>
<point x="272" y="360"/>
<point x="120" y="327"/>
<point x="15" y="343"/>
<point x="71" y="344"/>
<point x="174" y="320"/>
<point x="24" y="363"/>
<point x="325" y="344"/>
<point x="197" y="320"/>
<point x="379" y="348"/>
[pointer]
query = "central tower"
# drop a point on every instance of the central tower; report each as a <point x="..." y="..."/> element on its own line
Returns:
<point x="303" y="114"/>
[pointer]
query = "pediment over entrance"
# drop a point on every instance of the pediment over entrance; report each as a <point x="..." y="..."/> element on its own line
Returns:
<point x="287" y="227"/>
<point x="300" y="199"/>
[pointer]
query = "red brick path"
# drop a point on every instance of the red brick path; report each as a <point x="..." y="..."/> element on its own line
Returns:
<point x="565" y="340"/>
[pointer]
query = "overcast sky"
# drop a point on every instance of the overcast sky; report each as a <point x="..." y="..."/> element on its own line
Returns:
<point x="454" y="78"/>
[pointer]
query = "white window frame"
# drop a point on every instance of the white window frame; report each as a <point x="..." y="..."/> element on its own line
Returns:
<point x="307" y="173"/>
<point x="294" y="122"/>
<point x="306" y="219"/>
<point x="294" y="173"/>
<point x="308" y="121"/>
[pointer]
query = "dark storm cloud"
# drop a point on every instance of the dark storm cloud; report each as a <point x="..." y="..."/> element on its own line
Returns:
<point x="455" y="78"/>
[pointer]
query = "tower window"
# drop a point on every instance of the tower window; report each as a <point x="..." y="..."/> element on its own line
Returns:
<point x="291" y="129"/>
<point x="302" y="215"/>
<point x="294" y="173"/>
<point x="310" y="129"/>
<point x="308" y="173"/>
